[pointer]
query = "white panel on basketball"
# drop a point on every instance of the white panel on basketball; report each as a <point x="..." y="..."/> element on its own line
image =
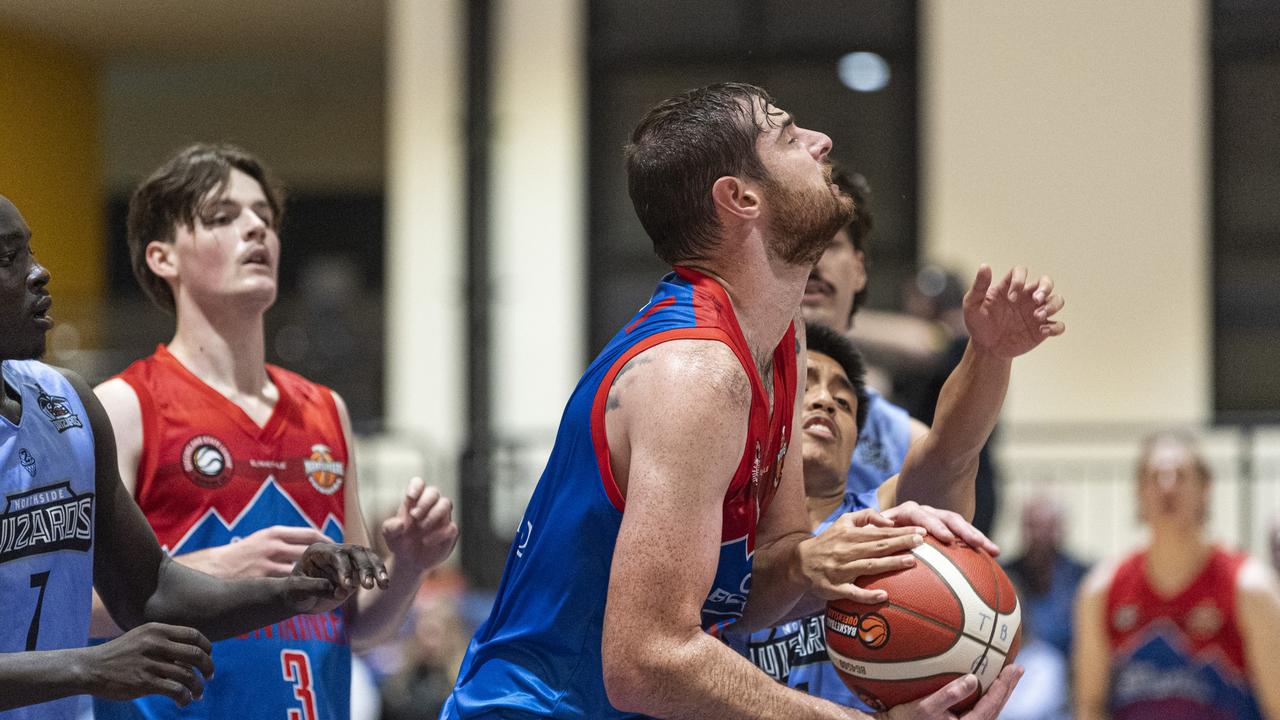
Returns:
<point x="981" y="621"/>
<point x="966" y="653"/>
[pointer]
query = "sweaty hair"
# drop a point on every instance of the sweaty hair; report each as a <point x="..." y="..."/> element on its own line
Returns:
<point x="833" y="344"/>
<point x="173" y="195"/>
<point x="1177" y="437"/>
<point x="677" y="152"/>
<point x="859" y="228"/>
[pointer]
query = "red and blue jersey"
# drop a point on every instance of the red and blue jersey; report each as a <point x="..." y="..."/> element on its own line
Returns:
<point x="538" y="654"/>
<point x="1182" y="657"/>
<point x="209" y="476"/>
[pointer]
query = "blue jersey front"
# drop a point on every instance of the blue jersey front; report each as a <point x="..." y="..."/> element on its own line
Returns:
<point x="46" y="522"/>
<point x="538" y="654"/>
<point x="882" y="444"/>
<point x="795" y="653"/>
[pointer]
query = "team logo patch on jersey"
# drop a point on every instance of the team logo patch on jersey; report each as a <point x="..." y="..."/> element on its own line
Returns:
<point x="55" y="408"/>
<point x="1125" y="617"/>
<point x="28" y="461"/>
<point x="1204" y="620"/>
<point x="207" y="462"/>
<point x="323" y="471"/>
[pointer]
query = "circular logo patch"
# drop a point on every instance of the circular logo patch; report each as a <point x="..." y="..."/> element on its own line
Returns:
<point x="873" y="631"/>
<point x="323" y="471"/>
<point x="207" y="462"/>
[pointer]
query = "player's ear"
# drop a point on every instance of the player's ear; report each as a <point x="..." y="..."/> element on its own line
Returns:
<point x="160" y="259"/>
<point x="735" y="199"/>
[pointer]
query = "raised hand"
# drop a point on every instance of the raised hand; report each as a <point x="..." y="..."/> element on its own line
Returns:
<point x="856" y="544"/>
<point x="937" y="706"/>
<point x="328" y="573"/>
<point x="151" y="659"/>
<point x="945" y="525"/>
<point x="1013" y="316"/>
<point x="422" y="533"/>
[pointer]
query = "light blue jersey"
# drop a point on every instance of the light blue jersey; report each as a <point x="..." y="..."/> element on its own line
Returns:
<point x="46" y="523"/>
<point x="882" y="444"/>
<point x="795" y="653"/>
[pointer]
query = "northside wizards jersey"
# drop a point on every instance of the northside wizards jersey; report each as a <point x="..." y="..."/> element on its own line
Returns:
<point x="208" y="476"/>
<point x="1178" y="658"/>
<point x="47" y="484"/>
<point x="538" y="654"/>
<point x="795" y="653"/>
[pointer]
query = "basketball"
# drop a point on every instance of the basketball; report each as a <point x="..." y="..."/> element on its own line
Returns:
<point x="954" y="613"/>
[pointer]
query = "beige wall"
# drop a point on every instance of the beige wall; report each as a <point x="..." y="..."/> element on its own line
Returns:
<point x="50" y="167"/>
<point x="1072" y="137"/>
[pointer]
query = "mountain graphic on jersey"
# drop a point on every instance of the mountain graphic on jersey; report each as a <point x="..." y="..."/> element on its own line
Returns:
<point x="271" y="505"/>
<point x="1159" y="677"/>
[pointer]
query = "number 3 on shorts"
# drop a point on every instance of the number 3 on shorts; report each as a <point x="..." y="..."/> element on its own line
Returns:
<point x="296" y="667"/>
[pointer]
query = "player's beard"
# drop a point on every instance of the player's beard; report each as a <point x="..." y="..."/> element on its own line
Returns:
<point x="803" y="221"/>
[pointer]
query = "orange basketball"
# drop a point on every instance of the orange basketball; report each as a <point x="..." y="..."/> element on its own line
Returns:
<point x="954" y="613"/>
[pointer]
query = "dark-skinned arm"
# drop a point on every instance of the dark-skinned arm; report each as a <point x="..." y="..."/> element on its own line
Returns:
<point x="169" y="610"/>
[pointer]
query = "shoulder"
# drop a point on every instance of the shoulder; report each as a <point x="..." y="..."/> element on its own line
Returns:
<point x="1097" y="582"/>
<point x="709" y="365"/>
<point x="119" y="399"/>
<point x="1257" y="584"/>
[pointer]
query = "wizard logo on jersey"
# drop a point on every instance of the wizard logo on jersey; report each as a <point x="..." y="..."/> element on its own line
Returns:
<point x="59" y="413"/>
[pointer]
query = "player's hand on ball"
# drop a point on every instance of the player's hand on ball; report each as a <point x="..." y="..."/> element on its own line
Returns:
<point x="422" y="533"/>
<point x="944" y="525"/>
<point x="328" y="573"/>
<point x="938" y="704"/>
<point x="856" y="544"/>
<point x="151" y="659"/>
<point x="1013" y="316"/>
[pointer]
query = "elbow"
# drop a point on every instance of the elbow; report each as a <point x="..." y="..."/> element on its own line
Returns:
<point x="633" y="678"/>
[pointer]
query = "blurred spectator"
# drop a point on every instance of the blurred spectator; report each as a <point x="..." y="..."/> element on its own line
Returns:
<point x="1042" y="693"/>
<point x="1046" y="576"/>
<point x="430" y="655"/>
<point x="1273" y="537"/>
<point x="938" y="295"/>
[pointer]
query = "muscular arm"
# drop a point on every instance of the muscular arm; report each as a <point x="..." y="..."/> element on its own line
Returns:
<point x="676" y="460"/>
<point x="1258" y="612"/>
<point x="940" y="468"/>
<point x="1005" y="320"/>
<point x="1090" y="656"/>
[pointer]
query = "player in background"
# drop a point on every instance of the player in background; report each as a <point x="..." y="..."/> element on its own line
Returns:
<point x="669" y="509"/>
<point x="835" y="292"/>
<point x="1183" y="628"/>
<point x="68" y="525"/>
<point x="237" y="464"/>
<point x="1005" y="321"/>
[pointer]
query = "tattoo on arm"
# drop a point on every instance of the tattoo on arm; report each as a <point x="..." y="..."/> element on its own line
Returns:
<point x="614" y="400"/>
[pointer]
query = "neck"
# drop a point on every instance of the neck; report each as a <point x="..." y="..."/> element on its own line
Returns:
<point x="1175" y="556"/>
<point x="226" y="349"/>
<point x="821" y="502"/>
<point x="765" y="291"/>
